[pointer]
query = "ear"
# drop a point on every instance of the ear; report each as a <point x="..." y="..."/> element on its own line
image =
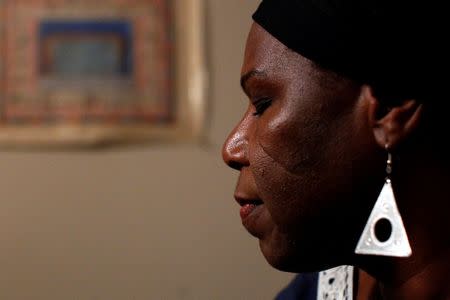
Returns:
<point x="392" y="124"/>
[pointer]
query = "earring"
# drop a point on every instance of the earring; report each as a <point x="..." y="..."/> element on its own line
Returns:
<point x="384" y="233"/>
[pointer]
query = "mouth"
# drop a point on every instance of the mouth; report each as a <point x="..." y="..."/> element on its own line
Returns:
<point x="250" y="212"/>
<point x="248" y="207"/>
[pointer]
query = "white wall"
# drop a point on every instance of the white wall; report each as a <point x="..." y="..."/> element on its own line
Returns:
<point x="153" y="222"/>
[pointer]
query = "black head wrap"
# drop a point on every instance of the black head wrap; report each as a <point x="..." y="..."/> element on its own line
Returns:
<point x="394" y="45"/>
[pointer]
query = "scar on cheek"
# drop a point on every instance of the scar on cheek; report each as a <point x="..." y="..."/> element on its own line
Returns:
<point x="266" y="158"/>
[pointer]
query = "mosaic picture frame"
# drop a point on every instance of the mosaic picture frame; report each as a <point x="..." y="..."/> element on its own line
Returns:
<point x="89" y="73"/>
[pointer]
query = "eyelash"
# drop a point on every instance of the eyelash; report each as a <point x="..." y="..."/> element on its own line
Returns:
<point x="261" y="105"/>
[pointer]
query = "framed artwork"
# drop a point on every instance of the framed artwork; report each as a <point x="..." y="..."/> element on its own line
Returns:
<point x="87" y="73"/>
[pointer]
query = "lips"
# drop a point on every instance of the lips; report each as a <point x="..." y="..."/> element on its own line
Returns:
<point x="251" y="210"/>
<point x="247" y="208"/>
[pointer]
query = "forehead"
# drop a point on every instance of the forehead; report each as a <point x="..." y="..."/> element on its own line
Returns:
<point x="264" y="52"/>
<point x="262" y="49"/>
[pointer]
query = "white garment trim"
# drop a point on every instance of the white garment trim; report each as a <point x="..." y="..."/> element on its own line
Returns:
<point x="336" y="284"/>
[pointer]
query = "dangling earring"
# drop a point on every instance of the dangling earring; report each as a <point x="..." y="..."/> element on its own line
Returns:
<point x="384" y="233"/>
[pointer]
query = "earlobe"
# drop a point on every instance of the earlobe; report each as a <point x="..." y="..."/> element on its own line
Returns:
<point x="392" y="124"/>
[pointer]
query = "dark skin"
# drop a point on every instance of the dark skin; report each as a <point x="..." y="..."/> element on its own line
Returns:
<point x="311" y="154"/>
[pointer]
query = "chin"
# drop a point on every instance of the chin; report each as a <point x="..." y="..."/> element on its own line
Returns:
<point x="293" y="256"/>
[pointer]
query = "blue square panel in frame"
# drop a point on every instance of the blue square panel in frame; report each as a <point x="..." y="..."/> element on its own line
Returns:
<point x="79" y="48"/>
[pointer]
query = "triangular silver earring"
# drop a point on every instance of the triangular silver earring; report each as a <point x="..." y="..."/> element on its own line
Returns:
<point x="385" y="233"/>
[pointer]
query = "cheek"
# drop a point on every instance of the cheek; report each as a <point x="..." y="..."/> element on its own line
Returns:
<point x="295" y="143"/>
<point x="290" y="161"/>
<point x="285" y="158"/>
<point x="279" y="189"/>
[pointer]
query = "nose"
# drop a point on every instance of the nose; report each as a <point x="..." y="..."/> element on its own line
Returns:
<point x="235" y="148"/>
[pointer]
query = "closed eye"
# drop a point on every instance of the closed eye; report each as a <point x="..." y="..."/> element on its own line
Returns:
<point x="261" y="105"/>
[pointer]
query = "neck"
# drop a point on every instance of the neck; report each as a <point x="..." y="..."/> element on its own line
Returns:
<point x="430" y="283"/>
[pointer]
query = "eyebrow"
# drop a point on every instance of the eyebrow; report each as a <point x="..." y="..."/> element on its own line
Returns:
<point x="250" y="74"/>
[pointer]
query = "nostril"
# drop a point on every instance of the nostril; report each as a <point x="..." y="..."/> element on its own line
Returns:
<point x="234" y="165"/>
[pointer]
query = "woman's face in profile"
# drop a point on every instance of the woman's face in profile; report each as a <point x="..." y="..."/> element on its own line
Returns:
<point x="301" y="150"/>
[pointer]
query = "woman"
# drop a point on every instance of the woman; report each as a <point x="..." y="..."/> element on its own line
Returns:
<point x="342" y="152"/>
